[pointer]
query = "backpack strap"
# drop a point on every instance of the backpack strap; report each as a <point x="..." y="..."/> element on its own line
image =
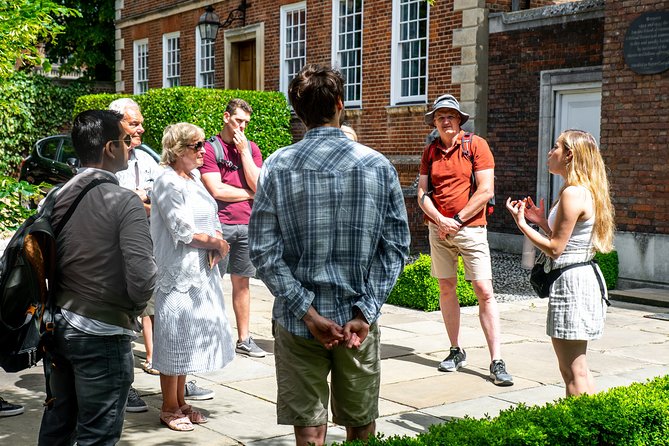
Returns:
<point x="218" y="149"/>
<point x="96" y="182"/>
<point x="557" y="272"/>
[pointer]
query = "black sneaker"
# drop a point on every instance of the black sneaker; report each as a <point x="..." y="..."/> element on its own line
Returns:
<point x="499" y="375"/>
<point x="193" y="392"/>
<point x="9" y="409"/>
<point x="456" y="358"/>
<point x="135" y="403"/>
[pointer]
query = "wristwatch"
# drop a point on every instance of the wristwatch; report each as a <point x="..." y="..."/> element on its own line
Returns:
<point x="456" y="217"/>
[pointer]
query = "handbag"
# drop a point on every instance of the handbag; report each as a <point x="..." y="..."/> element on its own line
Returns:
<point x="541" y="280"/>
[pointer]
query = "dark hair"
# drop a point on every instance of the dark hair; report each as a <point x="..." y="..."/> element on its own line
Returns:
<point x="314" y="93"/>
<point x="90" y="132"/>
<point x="234" y="104"/>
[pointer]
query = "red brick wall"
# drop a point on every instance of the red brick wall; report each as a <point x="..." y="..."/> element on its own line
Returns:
<point x="635" y="117"/>
<point x="516" y="60"/>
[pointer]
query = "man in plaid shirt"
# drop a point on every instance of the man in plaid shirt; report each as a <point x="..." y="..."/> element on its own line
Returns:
<point x="328" y="236"/>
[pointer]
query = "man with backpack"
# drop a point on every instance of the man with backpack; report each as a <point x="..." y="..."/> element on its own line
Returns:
<point x="230" y="174"/>
<point x="105" y="274"/>
<point x="456" y="182"/>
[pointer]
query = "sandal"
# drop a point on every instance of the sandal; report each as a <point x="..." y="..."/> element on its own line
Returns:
<point x="195" y="416"/>
<point x="148" y="368"/>
<point x="176" y="421"/>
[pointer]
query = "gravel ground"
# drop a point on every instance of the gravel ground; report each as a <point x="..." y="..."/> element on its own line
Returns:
<point x="510" y="281"/>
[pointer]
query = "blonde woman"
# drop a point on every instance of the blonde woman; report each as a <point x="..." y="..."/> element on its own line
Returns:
<point x="579" y="224"/>
<point x="191" y="332"/>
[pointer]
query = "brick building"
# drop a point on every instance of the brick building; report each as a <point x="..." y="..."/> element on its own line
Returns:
<point x="524" y="70"/>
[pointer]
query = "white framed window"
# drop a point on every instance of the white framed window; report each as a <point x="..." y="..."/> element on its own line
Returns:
<point x="141" y="66"/>
<point x="293" y="46"/>
<point x="171" y="60"/>
<point x="408" y="75"/>
<point x="347" y="47"/>
<point x="204" y="62"/>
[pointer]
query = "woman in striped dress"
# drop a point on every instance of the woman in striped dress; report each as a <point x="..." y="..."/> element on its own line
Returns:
<point x="579" y="224"/>
<point x="191" y="331"/>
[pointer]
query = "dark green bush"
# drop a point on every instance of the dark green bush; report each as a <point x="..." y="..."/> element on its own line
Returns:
<point x="416" y="288"/>
<point x="609" y="265"/>
<point x="32" y="107"/>
<point x="14" y="196"/>
<point x="269" y="126"/>
<point x="633" y="415"/>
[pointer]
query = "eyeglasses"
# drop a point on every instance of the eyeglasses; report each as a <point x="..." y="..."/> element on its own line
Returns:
<point x="446" y="118"/>
<point x="196" y="147"/>
<point x="127" y="140"/>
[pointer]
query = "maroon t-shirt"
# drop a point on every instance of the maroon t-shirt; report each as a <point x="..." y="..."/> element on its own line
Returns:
<point x="231" y="213"/>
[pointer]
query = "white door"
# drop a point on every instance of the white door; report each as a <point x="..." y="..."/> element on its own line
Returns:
<point x="576" y="109"/>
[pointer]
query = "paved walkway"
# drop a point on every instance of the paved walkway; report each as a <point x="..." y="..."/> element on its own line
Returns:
<point x="414" y="394"/>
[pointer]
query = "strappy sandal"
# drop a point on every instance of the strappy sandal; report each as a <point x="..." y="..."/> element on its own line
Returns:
<point x="148" y="368"/>
<point x="195" y="416"/>
<point x="176" y="421"/>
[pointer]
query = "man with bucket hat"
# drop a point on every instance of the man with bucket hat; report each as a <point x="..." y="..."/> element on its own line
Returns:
<point x="454" y="206"/>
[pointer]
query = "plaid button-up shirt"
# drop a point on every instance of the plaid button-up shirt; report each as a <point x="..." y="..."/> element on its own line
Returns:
<point x="328" y="228"/>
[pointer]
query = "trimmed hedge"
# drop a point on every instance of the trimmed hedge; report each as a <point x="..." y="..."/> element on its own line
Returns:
<point x="269" y="126"/>
<point x="608" y="263"/>
<point x="416" y="288"/>
<point x="634" y="415"/>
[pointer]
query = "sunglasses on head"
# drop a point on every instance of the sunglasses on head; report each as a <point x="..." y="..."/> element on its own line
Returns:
<point x="196" y="147"/>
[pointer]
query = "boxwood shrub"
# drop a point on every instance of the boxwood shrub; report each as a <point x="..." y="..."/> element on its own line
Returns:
<point x="634" y="415"/>
<point x="416" y="288"/>
<point x="269" y="126"/>
<point x="608" y="263"/>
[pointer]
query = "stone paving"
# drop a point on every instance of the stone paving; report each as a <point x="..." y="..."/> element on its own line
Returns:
<point x="414" y="395"/>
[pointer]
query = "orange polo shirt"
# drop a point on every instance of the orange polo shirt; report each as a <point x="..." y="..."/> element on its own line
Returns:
<point x="451" y="174"/>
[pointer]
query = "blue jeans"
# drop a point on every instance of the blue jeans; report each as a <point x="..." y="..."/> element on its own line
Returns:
<point x="90" y="378"/>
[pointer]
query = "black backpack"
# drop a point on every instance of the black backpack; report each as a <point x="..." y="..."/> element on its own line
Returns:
<point x="27" y="276"/>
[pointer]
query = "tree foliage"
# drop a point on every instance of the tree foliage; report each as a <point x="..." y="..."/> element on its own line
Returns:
<point x="24" y="26"/>
<point x="87" y="41"/>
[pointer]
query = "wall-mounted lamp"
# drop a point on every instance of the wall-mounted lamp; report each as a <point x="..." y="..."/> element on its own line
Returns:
<point x="209" y="21"/>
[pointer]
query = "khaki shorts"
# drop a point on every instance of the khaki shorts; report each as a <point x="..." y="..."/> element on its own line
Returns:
<point x="302" y="368"/>
<point x="469" y="242"/>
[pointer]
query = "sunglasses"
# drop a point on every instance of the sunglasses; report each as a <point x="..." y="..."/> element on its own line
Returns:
<point x="127" y="140"/>
<point x="196" y="147"/>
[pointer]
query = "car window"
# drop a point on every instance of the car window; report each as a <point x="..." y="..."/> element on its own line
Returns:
<point x="67" y="151"/>
<point x="49" y="148"/>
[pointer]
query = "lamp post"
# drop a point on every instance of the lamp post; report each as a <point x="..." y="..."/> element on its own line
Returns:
<point x="209" y="22"/>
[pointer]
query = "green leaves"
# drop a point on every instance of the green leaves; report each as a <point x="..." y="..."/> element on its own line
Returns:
<point x="16" y="197"/>
<point x="31" y="107"/>
<point x="24" y="26"/>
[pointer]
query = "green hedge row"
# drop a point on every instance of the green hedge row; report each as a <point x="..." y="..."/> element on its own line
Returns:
<point x="633" y="415"/>
<point x="269" y="126"/>
<point x="32" y="107"/>
<point x="416" y="288"/>
<point x="14" y="196"/>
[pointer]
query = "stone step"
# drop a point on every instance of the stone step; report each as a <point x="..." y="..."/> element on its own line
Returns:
<point x="647" y="296"/>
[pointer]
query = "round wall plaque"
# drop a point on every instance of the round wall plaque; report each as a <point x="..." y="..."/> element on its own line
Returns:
<point x="646" y="46"/>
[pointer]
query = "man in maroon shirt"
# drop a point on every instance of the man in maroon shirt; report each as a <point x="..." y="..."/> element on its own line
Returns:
<point x="231" y="180"/>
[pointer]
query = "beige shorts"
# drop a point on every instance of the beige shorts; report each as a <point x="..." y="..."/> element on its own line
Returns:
<point x="302" y="368"/>
<point x="469" y="242"/>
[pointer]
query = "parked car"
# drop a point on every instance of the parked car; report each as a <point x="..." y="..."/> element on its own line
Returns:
<point x="53" y="160"/>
